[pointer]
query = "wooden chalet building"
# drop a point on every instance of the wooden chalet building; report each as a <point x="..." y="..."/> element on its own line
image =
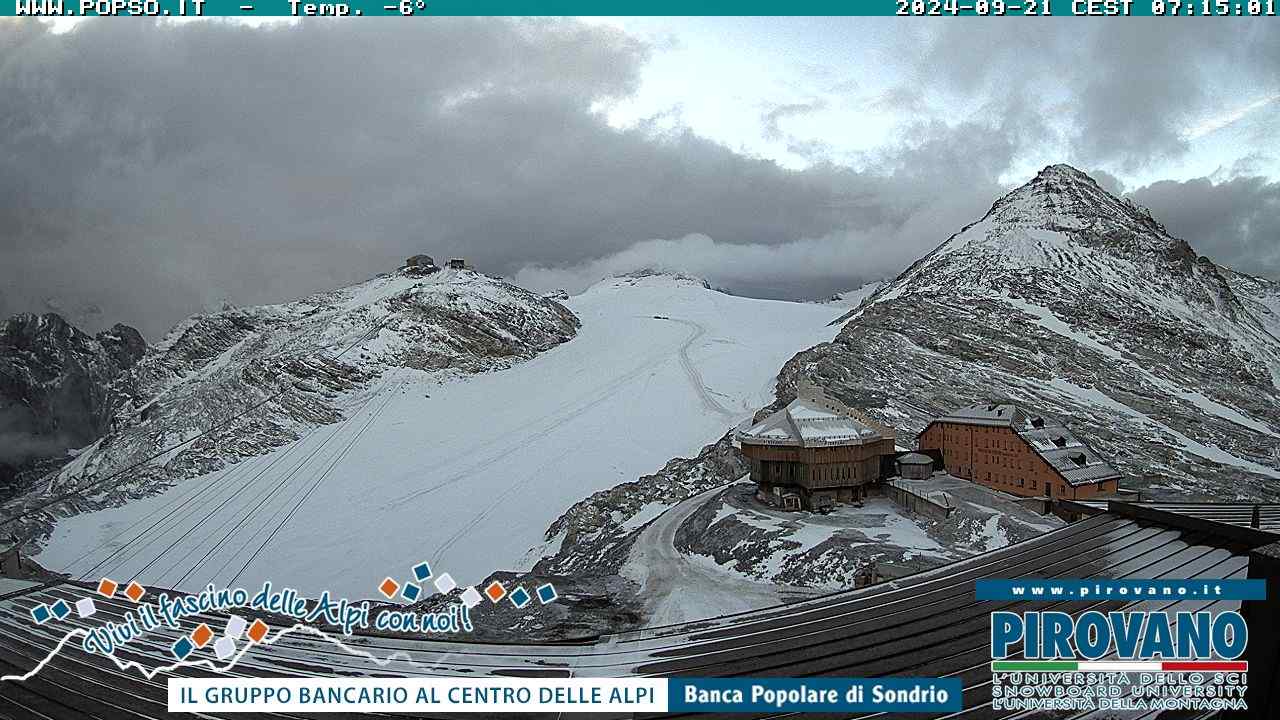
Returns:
<point x="814" y="452"/>
<point x="1006" y="448"/>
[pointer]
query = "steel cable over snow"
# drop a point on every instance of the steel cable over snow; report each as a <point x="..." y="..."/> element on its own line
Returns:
<point x="284" y="520"/>
<point x="223" y="424"/>
<point x="269" y="493"/>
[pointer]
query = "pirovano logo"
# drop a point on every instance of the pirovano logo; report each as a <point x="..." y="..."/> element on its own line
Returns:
<point x="1152" y="656"/>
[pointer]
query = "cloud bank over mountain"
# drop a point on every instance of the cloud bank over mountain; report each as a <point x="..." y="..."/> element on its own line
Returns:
<point x="152" y="170"/>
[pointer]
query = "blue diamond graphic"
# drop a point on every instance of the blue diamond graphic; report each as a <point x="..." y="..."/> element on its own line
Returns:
<point x="182" y="648"/>
<point x="520" y="597"/>
<point x="40" y="614"/>
<point x="422" y="572"/>
<point x="411" y="592"/>
<point x="60" y="609"/>
<point x="547" y="593"/>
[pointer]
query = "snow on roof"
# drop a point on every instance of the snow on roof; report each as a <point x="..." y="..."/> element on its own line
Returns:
<point x="915" y="459"/>
<point x="814" y="422"/>
<point x="1069" y="455"/>
<point x="986" y="414"/>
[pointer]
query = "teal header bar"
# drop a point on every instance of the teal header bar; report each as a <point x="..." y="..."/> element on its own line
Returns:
<point x="423" y="8"/>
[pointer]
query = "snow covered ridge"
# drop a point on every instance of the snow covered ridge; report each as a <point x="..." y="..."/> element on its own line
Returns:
<point x="308" y="363"/>
<point x="655" y="275"/>
<point x="1080" y="304"/>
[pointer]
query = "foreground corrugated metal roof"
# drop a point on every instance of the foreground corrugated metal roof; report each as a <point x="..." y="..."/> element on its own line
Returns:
<point x="1264" y="516"/>
<point x="924" y="625"/>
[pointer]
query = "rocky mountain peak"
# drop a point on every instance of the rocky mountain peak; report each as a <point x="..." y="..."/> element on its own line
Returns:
<point x="29" y="326"/>
<point x="123" y="343"/>
<point x="1063" y="236"/>
<point x="1063" y="199"/>
<point x="44" y="344"/>
<point x="1062" y="172"/>
<point x="662" y="274"/>
<point x="1078" y="303"/>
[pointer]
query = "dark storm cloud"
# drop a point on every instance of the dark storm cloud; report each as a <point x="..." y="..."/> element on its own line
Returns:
<point x="155" y="169"/>
<point x="910" y="197"/>
<point x="1235" y="222"/>
<point x="1109" y="182"/>
<point x="1125" y="92"/>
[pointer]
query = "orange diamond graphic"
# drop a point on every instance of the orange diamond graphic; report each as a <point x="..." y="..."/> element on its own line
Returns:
<point x="389" y="588"/>
<point x="257" y="631"/>
<point x="495" y="591"/>
<point x="107" y="587"/>
<point x="134" y="591"/>
<point x="202" y="635"/>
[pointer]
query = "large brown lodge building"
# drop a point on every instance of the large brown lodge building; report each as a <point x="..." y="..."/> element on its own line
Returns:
<point x="1005" y="448"/>
<point x="817" y="451"/>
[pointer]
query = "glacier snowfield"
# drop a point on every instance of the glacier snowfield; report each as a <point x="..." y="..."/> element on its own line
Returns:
<point x="466" y="473"/>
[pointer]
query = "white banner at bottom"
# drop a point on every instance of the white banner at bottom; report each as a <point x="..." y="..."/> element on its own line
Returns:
<point x="488" y="695"/>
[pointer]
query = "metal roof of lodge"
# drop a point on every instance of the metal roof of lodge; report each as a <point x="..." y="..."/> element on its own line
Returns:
<point x="815" y="421"/>
<point x="1069" y="455"/>
<point x="985" y="414"/>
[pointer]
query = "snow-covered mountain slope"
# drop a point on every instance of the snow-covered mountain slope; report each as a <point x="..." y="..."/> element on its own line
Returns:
<point x="241" y="382"/>
<point x="1080" y="303"/>
<point x="466" y="471"/>
<point x="1260" y="295"/>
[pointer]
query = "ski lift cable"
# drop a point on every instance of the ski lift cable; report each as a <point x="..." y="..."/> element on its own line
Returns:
<point x="320" y="479"/>
<point x="176" y="446"/>
<point x="225" y="481"/>
<point x="262" y="499"/>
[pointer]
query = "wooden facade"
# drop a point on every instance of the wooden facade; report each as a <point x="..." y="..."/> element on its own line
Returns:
<point x="815" y="452"/>
<point x="998" y="457"/>
<point x="817" y="468"/>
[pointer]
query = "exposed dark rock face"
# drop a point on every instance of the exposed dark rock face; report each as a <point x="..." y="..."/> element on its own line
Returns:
<point x="57" y="391"/>
<point x="597" y="532"/>
<point x="595" y="539"/>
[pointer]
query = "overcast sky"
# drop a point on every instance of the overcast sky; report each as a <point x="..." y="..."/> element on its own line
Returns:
<point x="153" y="170"/>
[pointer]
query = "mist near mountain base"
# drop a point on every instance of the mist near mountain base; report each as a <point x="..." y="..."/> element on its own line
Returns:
<point x="18" y="444"/>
